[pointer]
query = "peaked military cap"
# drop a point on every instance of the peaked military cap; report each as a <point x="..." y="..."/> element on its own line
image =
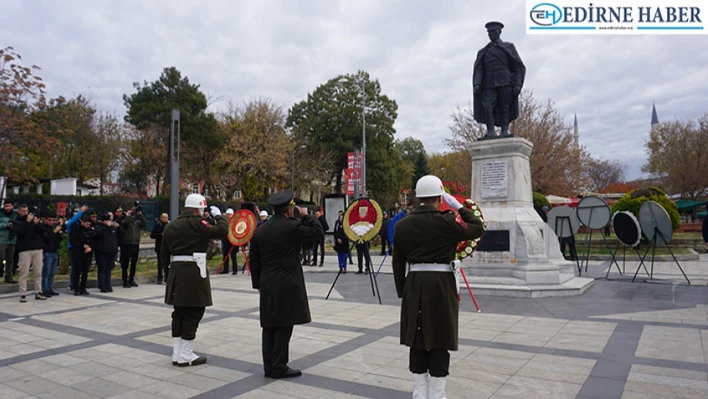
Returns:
<point x="282" y="198"/>
<point x="494" y="25"/>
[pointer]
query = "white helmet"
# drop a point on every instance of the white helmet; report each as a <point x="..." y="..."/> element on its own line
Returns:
<point x="264" y="213"/>
<point x="429" y="186"/>
<point x="195" y="201"/>
<point x="229" y="211"/>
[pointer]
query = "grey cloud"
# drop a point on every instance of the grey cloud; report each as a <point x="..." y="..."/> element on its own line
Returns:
<point x="422" y="53"/>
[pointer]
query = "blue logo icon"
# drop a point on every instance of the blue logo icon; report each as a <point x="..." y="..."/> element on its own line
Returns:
<point x="546" y="14"/>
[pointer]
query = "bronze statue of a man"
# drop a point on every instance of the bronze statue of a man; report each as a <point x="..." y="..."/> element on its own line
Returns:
<point x="497" y="81"/>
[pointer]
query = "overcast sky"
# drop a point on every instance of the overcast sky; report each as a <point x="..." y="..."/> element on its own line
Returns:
<point x="421" y="52"/>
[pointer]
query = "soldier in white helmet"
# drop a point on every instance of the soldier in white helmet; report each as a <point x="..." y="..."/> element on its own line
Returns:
<point x="184" y="246"/>
<point x="424" y="245"/>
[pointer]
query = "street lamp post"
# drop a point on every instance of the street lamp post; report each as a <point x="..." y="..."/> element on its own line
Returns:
<point x="292" y="186"/>
<point x="363" y="131"/>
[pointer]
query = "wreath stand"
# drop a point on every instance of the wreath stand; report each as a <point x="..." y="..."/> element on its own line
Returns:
<point x="372" y="277"/>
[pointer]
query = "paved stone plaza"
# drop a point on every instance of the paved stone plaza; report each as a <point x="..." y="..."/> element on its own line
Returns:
<point x="618" y="340"/>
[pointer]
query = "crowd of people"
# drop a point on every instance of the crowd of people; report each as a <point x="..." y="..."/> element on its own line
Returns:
<point x="31" y="240"/>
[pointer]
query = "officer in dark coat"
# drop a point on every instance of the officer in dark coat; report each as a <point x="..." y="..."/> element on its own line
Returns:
<point x="497" y="81"/>
<point x="184" y="246"/>
<point x="276" y="272"/>
<point x="425" y="243"/>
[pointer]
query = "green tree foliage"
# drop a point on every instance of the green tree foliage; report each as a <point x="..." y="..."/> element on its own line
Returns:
<point x="414" y="160"/>
<point x="540" y="200"/>
<point x="634" y="199"/>
<point x="151" y="105"/>
<point x="331" y="118"/>
<point x="421" y="167"/>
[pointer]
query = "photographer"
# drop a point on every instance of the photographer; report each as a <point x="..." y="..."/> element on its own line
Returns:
<point x="7" y="240"/>
<point x="133" y="222"/>
<point x="77" y="215"/>
<point x="106" y="250"/>
<point x="30" y="242"/>
<point x="82" y="244"/>
<point x="53" y="231"/>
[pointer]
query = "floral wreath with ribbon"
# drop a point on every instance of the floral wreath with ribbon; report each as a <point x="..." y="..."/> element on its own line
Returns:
<point x="466" y="248"/>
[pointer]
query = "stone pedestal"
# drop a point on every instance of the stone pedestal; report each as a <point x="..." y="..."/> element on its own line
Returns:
<point x="519" y="254"/>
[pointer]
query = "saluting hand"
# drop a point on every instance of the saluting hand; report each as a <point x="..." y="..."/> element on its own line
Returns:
<point x="451" y="201"/>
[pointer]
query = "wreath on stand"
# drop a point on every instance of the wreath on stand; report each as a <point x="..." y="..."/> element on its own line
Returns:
<point x="466" y="248"/>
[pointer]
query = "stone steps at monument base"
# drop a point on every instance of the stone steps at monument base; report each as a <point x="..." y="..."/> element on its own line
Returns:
<point x="575" y="286"/>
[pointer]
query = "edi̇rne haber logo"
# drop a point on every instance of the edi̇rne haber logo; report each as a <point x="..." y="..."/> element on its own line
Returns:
<point x="628" y="17"/>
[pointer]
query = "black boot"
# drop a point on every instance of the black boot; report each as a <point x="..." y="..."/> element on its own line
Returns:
<point x="125" y="284"/>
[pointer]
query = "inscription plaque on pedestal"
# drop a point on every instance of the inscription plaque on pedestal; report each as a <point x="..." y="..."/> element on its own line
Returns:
<point x="494" y="180"/>
<point x="495" y="241"/>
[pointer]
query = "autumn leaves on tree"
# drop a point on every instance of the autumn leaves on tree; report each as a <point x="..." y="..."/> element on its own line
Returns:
<point x="254" y="145"/>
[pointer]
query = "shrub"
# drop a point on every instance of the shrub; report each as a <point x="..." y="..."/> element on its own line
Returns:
<point x="540" y="200"/>
<point x="634" y="199"/>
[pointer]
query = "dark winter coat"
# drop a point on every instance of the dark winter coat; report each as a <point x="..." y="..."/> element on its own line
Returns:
<point x="79" y="237"/>
<point x="188" y="234"/>
<point x="340" y="235"/>
<point x="106" y="238"/>
<point x="30" y="236"/>
<point x="276" y="269"/>
<point x="427" y="235"/>
<point x="52" y="240"/>
<point x="156" y="235"/>
<point x="131" y="229"/>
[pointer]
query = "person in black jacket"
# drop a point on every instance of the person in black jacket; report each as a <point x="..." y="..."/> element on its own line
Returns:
<point x="228" y="250"/>
<point x="320" y="244"/>
<point x="29" y="246"/>
<point x="82" y="243"/>
<point x="156" y="235"/>
<point x="277" y="274"/>
<point x="341" y="244"/>
<point x="54" y="231"/>
<point x="384" y="234"/>
<point x="106" y="249"/>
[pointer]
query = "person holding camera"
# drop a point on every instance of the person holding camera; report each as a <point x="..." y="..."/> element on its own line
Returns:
<point x="133" y="222"/>
<point x="106" y="249"/>
<point x="82" y="241"/>
<point x="54" y="230"/>
<point x="7" y="240"/>
<point x="30" y="242"/>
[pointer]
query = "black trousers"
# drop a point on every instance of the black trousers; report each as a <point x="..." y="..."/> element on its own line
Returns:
<point x="161" y="268"/>
<point x="79" y="272"/>
<point x="360" y="249"/>
<point x="276" y="347"/>
<point x="233" y="257"/>
<point x="384" y="244"/>
<point x="129" y="256"/>
<point x="570" y="241"/>
<point x="318" y="245"/>
<point x="436" y="362"/>
<point x="185" y="321"/>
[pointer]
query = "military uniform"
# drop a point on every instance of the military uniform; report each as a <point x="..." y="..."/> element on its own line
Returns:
<point x="430" y="305"/>
<point x="277" y="272"/>
<point x="188" y="288"/>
